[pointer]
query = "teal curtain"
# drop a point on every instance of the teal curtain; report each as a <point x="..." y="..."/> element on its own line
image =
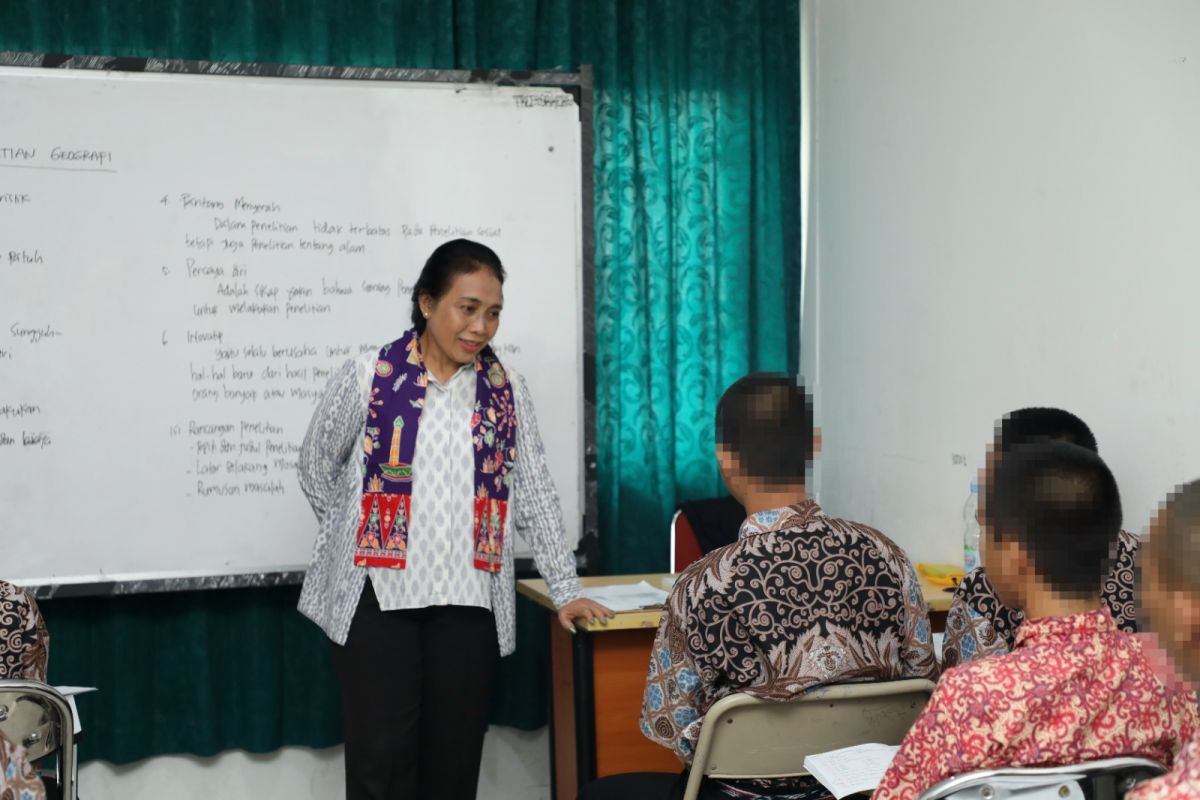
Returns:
<point x="696" y="125"/>
<point x="697" y="245"/>
<point x="205" y="672"/>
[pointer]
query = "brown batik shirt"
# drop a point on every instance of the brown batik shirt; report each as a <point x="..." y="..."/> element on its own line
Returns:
<point x="800" y="600"/>
<point x="979" y="625"/>
<point x="24" y="642"/>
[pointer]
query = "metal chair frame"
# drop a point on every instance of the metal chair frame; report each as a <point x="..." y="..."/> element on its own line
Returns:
<point x="58" y="739"/>
<point x="878" y="711"/>
<point x="1105" y="779"/>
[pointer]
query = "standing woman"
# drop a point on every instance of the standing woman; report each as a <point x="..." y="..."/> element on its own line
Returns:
<point x="419" y="462"/>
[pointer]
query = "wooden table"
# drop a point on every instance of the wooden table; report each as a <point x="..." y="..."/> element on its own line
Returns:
<point x="597" y="678"/>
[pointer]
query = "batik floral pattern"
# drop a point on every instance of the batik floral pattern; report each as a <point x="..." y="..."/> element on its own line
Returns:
<point x="979" y="625"/>
<point x="1073" y="689"/>
<point x="800" y="600"/>
<point x="18" y="781"/>
<point x="24" y="642"/>
<point x="1181" y="783"/>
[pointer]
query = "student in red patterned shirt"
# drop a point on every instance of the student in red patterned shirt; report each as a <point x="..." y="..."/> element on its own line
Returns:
<point x="1170" y="602"/>
<point x="1075" y="687"/>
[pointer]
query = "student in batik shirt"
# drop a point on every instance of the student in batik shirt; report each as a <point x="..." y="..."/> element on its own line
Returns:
<point x="978" y="624"/>
<point x="24" y="642"/>
<point x="800" y="600"/>
<point x="1075" y="687"/>
<point x="18" y="779"/>
<point x="1170" y="604"/>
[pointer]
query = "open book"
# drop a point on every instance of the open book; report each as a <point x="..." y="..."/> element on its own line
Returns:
<point x="851" y="769"/>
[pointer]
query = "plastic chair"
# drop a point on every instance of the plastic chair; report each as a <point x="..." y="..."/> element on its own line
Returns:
<point x="744" y="737"/>
<point x="38" y="718"/>
<point x="1107" y="779"/>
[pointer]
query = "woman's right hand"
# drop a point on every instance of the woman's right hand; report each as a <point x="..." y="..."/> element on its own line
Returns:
<point x="583" y="608"/>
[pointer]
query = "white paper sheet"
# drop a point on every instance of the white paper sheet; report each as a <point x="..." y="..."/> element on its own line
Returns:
<point x="851" y="769"/>
<point x="69" y="692"/>
<point x="627" y="596"/>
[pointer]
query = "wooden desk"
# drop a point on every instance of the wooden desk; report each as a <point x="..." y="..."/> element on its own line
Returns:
<point x="597" y="677"/>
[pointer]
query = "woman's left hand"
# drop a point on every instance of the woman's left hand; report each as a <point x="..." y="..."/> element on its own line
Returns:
<point x="582" y="608"/>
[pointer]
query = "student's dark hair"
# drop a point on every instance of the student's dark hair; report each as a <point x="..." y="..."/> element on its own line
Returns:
<point x="1060" y="502"/>
<point x="1038" y="424"/>
<point x="455" y="257"/>
<point x="1178" y="538"/>
<point x="766" y="420"/>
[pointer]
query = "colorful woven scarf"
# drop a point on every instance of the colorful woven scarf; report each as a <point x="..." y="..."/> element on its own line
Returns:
<point x="393" y="415"/>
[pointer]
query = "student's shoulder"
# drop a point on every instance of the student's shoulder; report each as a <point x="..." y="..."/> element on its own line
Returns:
<point x="975" y="591"/>
<point x="968" y="685"/>
<point x="891" y="551"/>
<point x="709" y="577"/>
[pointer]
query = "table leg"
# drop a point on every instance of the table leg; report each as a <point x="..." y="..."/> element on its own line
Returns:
<point x="565" y="783"/>
<point x="585" y="708"/>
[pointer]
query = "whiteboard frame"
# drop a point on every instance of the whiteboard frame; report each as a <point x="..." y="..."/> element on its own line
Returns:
<point x="577" y="84"/>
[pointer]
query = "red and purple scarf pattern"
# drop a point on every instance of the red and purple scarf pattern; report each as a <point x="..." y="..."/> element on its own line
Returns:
<point x="393" y="416"/>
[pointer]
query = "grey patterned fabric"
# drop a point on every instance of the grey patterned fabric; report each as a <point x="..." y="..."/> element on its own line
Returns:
<point x="441" y="569"/>
<point x="331" y="475"/>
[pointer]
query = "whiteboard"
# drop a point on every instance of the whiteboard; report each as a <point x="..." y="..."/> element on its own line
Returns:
<point x="186" y="258"/>
<point x="1005" y="216"/>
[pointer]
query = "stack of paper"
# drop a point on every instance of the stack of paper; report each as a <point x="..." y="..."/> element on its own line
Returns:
<point x="851" y="770"/>
<point x="627" y="596"/>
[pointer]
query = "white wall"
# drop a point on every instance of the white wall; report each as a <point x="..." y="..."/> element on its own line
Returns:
<point x="516" y="766"/>
<point x="1005" y="202"/>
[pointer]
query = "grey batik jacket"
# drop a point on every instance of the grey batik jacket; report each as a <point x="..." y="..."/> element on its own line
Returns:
<point x="331" y="475"/>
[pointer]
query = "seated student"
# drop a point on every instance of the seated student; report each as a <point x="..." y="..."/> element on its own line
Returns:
<point x="1075" y="687"/>
<point x="1170" y="604"/>
<point x="801" y="599"/>
<point x="978" y="624"/>
<point x="24" y="643"/>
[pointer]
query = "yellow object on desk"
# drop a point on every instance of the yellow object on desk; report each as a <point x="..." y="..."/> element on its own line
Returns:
<point x="944" y="575"/>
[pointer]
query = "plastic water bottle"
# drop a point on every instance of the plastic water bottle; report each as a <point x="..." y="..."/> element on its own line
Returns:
<point x="971" y="529"/>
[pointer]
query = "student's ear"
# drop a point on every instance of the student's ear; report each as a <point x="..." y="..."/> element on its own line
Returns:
<point x="730" y="469"/>
<point x="1010" y="570"/>
<point x="1187" y="610"/>
<point x="816" y="442"/>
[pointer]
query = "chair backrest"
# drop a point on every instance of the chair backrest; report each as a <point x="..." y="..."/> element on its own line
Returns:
<point x="685" y="547"/>
<point x="1106" y="779"/>
<point x="745" y="737"/>
<point x="38" y="718"/>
